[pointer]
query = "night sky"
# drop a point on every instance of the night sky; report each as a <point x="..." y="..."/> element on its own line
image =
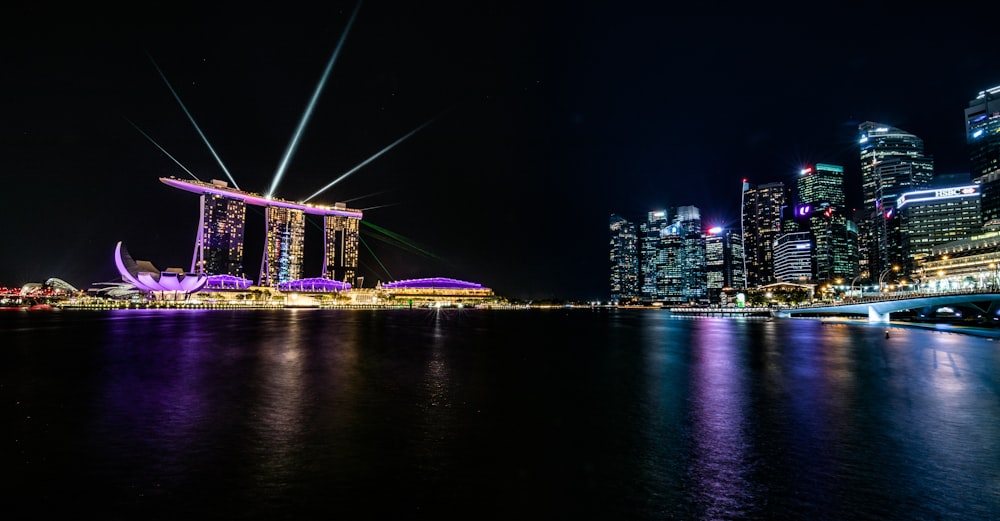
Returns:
<point x="544" y="119"/>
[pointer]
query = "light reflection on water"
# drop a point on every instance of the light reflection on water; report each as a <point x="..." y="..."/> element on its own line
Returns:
<point x="529" y="414"/>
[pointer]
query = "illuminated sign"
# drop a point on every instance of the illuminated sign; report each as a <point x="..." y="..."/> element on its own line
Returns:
<point x="803" y="210"/>
<point x="715" y="229"/>
<point x="807" y="170"/>
<point x="937" y="194"/>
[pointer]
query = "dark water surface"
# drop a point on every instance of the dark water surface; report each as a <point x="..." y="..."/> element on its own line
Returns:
<point x="472" y="414"/>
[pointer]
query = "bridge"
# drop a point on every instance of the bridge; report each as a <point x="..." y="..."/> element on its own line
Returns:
<point x="878" y="308"/>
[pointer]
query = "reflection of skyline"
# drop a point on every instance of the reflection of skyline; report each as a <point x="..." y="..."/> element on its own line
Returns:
<point x="721" y="464"/>
<point x="240" y="415"/>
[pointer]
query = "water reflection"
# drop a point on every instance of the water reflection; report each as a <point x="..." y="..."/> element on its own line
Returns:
<point x="425" y="415"/>
<point x="720" y="464"/>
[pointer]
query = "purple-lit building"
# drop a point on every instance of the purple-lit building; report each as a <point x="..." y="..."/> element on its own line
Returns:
<point x="437" y="290"/>
<point x="169" y="284"/>
<point x="219" y="244"/>
<point x="314" y="285"/>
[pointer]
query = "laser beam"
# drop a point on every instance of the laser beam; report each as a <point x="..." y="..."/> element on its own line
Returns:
<point x="377" y="207"/>
<point x="369" y="160"/>
<point x="193" y="122"/>
<point x="379" y="261"/>
<point x="396" y="239"/>
<point x="373" y="194"/>
<point x="163" y="150"/>
<point x="294" y="143"/>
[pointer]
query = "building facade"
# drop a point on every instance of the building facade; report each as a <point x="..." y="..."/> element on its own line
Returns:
<point x="723" y="263"/>
<point x="219" y="242"/>
<point x="793" y="257"/>
<point x="218" y="247"/>
<point x="982" y="138"/>
<point x="652" y="256"/>
<point x="624" y="260"/>
<point x="761" y="217"/>
<point x="340" y="245"/>
<point x="284" y="244"/>
<point x="692" y="260"/>
<point x="936" y="216"/>
<point x="892" y="161"/>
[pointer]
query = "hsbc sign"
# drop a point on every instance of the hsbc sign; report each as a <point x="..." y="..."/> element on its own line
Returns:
<point x="953" y="192"/>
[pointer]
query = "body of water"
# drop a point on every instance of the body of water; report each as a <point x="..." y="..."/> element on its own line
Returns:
<point x="476" y="414"/>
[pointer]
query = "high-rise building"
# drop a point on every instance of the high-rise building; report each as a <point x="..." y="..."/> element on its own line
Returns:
<point x="762" y="208"/>
<point x="793" y="257"/>
<point x="218" y="246"/>
<point x="693" y="256"/>
<point x="624" y="260"/>
<point x="821" y="211"/>
<point x="652" y="256"/>
<point x="820" y="184"/>
<point x="932" y="217"/>
<point x="982" y="137"/>
<point x="892" y="161"/>
<point x="283" y="245"/>
<point x="723" y="262"/>
<point x="670" y="274"/>
<point x="340" y="246"/>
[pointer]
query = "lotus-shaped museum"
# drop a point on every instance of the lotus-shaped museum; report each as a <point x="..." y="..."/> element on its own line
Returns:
<point x="146" y="277"/>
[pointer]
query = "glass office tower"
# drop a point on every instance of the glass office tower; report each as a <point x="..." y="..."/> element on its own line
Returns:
<point x="892" y="161"/>
<point x="982" y="137"/>
<point x="761" y="221"/>
<point x="624" y="260"/>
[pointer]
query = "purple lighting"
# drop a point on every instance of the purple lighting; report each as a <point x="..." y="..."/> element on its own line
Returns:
<point x="227" y="282"/>
<point x="314" y="285"/>
<point x="432" y="283"/>
<point x="255" y="199"/>
<point x="148" y="278"/>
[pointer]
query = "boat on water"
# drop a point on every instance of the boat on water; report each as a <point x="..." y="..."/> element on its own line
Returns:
<point x="40" y="307"/>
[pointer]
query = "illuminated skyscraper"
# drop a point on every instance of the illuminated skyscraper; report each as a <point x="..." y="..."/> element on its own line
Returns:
<point x="283" y="245"/>
<point x="692" y="258"/>
<point x="982" y="137"/>
<point x="892" y="161"/>
<point x="821" y="184"/>
<point x="793" y="257"/>
<point x="652" y="256"/>
<point x="670" y="271"/>
<point x="341" y="248"/>
<point x="723" y="262"/>
<point x="221" y="230"/>
<point x="936" y="216"/>
<point x="821" y="212"/>
<point x="218" y="247"/>
<point x="762" y="214"/>
<point x="624" y="260"/>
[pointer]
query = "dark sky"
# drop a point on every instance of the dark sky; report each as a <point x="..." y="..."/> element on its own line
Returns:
<point x="546" y="118"/>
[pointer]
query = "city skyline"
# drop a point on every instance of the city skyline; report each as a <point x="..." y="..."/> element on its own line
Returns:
<point x="533" y="135"/>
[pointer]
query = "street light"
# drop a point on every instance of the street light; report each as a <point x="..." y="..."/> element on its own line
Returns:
<point x="855" y="280"/>
<point x="882" y="276"/>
